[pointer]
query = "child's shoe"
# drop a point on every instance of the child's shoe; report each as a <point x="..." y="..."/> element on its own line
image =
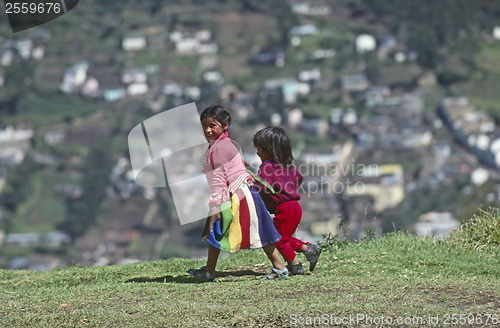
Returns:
<point x="295" y="269"/>
<point x="312" y="254"/>
<point x="197" y="273"/>
<point x="277" y="274"/>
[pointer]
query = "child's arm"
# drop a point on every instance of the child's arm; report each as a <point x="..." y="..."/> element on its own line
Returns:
<point x="208" y="226"/>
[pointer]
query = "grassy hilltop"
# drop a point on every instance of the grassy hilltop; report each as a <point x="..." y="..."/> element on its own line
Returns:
<point x="397" y="280"/>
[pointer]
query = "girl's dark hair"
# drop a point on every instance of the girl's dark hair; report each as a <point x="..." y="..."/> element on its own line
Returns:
<point x="218" y="113"/>
<point x="276" y="142"/>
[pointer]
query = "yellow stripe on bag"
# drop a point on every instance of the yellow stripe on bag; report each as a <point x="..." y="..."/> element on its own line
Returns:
<point x="235" y="227"/>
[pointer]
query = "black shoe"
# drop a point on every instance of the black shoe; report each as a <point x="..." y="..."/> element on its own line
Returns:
<point x="295" y="269"/>
<point x="312" y="254"/>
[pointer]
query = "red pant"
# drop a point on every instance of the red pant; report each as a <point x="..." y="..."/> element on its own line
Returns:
<point x="286" y="220"/>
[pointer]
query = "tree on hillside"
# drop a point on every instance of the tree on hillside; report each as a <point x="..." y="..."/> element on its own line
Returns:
<point x="81" y="213"/>
<point x="19" y="82"/>
<point x="280" y="10"/>
<point x="18" y="186"/>
<point x="432" y="28"/>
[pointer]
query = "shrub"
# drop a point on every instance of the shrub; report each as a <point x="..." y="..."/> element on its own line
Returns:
<point x="480" y="231"/>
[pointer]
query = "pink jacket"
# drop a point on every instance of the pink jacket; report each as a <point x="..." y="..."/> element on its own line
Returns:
<point x="224" y="169"/>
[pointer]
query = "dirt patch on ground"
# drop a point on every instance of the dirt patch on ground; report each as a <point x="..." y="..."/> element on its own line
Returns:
<point x="464" y="299"/>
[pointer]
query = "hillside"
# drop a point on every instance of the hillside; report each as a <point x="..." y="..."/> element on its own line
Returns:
<point x="73" y="178"/>
<point x="403" y="279"/>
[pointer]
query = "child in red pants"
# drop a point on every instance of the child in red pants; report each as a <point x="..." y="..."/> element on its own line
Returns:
<point x="281" y="195"/>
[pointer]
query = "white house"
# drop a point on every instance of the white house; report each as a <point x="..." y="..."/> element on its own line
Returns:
<point x="309" y="75"/>
<point x="134" y="42"/>
<point x="10" y="134"/>
<point x="365" y="43"/>
<point x="137" y="89"/>
<point x="323" y="53"/>
<point x="316" y="127"/>
<point x="399" y="57"/>
<point x="349" y="117"/>
<point x="295" y="117"/>
<point x="306" y="29"/>
<point x="133" y="75"/>
<point x="353" y="83"/>
<point x="437" y="224"/>
<point x="172" y="88"/>
<point x="38" y="53"/>
<point x="175" y="36"/>
<point x="6" y="57"/>
<point x="213" y="77"/>
<point x="496" y="32"/>
<point x="187" y="45"/>
<point x="495" y="146"/>
<point x="479" y="176"/>
<point x="54" y="137"/>
<point x="91" y="88"/>
<point x="203" y="35"/>
<point x="336" y="116"/>
<point x="207" y="48"/>
<point x="305" y="8"/>
<point x="74" y="77"/>
<point x="11" y="156"/>
<point x="192" y="92"/>
<point x="114" y="94"/>
<point x="386" y="44"/>
<point x="24" y="47"/>
<point x="482" y="142"/>
<point x="290" y="88"/>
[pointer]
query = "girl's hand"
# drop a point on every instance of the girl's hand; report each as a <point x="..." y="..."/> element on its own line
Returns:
<point x="208" y="226"/>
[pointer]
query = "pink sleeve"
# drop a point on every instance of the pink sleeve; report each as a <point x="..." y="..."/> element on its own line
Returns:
<point x="221" y="155"/>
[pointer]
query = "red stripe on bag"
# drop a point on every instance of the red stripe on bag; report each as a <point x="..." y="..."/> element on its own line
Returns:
<point x="244" y="220"/>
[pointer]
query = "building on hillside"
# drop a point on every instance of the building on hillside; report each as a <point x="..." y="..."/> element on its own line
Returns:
<point x="134" y="42"/>
<point x="74" y="77"/>
<point x="365" y="43"/>
<point x="496" y="33"/>
<point x="474" y="129"/>
<point x="133" y="75"/>
<point x="303" y="30"/>
<point x="54" y="137"/>
<point x="354" y="83"/>
<point x="436" y="224"/>
<point x="310" y="9"/>
<point x="269" y="56"/>
<point x="24" y="47"/>
<point x="385" y="183"/>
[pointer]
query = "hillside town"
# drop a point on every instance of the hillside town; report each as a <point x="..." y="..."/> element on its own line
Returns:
<point x="377" y="147"/>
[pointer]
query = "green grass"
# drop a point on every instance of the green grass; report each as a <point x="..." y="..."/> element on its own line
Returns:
<point x="46" y="109"/>
<point x="483" y="88"/>
<point x="43" y="209"/>
<point x="396" y="276"/>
